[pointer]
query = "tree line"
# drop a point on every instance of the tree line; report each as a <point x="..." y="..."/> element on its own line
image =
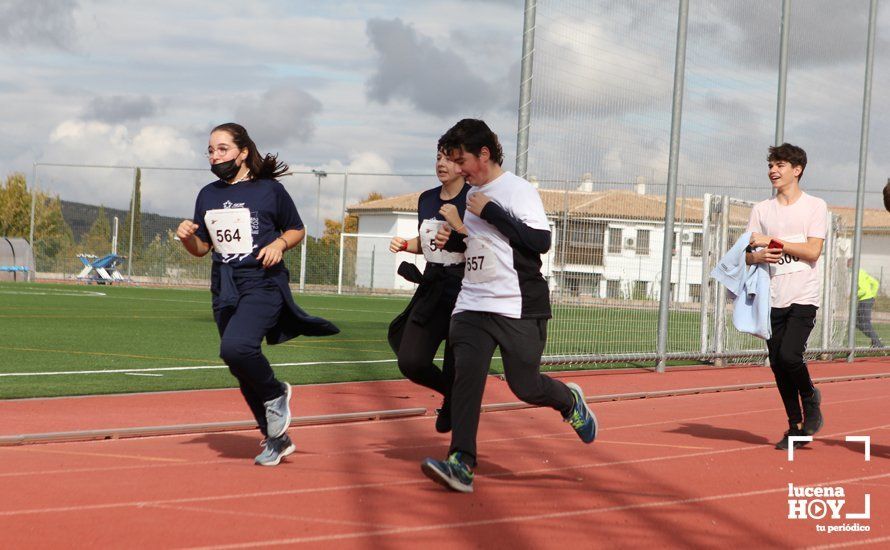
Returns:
<point x="56" y="245"/>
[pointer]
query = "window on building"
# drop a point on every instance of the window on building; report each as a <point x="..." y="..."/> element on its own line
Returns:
<point x="583" y="243"/>
<point x="695" y="292"/>
<point x="639" y="290"/>
<point x="614" y="240"/>
<point x="643" y="242"/>
<point x="595" y="280"/>
<point x="697" y="244"/>
<point x="675" y="244"/>
<point x="613" y="289"/>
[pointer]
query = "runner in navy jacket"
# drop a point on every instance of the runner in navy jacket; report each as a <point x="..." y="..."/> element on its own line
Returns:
<point x="416" y="334"/>
<point x="248" y="220"/>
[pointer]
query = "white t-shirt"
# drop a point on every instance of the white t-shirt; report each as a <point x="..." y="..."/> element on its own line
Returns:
<point x="492" y="281"/>
<point x="794" y="281"/>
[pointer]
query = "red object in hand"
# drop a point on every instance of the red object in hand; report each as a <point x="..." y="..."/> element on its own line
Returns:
<point x="775" y="244"/>
<point x="405" y="245"/>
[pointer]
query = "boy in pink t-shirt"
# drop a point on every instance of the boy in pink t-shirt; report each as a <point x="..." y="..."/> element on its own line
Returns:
<point x="798" y="222"/>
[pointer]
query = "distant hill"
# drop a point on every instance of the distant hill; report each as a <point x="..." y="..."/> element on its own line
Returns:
<point x="80" y="218"/>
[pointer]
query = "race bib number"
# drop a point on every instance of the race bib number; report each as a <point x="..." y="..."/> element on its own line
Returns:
<point x="229" y="230"/>
<point x="789" y="263"/>
<point x="428" y="230"/>
<point x="480" y="258"/>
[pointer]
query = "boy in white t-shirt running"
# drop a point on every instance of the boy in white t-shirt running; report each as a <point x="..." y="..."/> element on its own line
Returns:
<point x="799" y="222"/>
<point x="504" y="301"/>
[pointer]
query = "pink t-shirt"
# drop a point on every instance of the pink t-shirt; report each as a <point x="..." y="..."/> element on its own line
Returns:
<point x="795" y="281"/>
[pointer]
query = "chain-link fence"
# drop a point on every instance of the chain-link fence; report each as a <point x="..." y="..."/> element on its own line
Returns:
<point x="609" y="141"/>
<point x="626" y="104"/>
<point x="163" y="197"/>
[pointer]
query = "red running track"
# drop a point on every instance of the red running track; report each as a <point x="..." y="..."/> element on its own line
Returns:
<point x="684" y="471"/>
<point x="123" y="411"/>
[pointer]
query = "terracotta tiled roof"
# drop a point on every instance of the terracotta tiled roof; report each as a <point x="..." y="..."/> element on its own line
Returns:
<point x="399" y="203"/>
<point x="621" y="204"/>
<point x="874" y="220"/>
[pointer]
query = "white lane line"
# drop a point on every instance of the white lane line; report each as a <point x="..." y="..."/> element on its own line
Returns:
<point x="187" y="368"/>
<point x="350" y="487"/>
<point x="241" y="513"/>
<point x="50" y="292"/>
<point x="526" y="518"/>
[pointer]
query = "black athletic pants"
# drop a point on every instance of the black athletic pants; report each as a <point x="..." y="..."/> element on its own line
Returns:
<point x="418" y="348"/>
<point x="791" y="327"/>
<point x="474" y="336"/>
<point x="242" y="329"/>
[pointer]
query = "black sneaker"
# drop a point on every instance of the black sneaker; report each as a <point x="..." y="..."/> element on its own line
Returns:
<point x="451" y="473"/>
<point x="782" y="445"/>
<point x="812" y="414"/>
<point x="443" y="418"/>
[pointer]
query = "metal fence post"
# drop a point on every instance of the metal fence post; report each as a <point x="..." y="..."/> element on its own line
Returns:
<point x="525" y="88"/>
<point x="345" y="185"/>
<point x="33" y="207"/>
<point x="860" y="186"/>
<point x="303" y="262"/>
<point x="720" y="302"/>
<point x="132" y="224"/>
<point x="704" y="293"/>
<point x="827" y="280"/>
<point x="783" y="72"/>
<point x="671" y="192"/>
<point x="340" y="267"/>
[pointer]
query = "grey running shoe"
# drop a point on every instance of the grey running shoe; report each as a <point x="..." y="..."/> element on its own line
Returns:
<point x="278" y="414"/>
<point x="275" y="449"/>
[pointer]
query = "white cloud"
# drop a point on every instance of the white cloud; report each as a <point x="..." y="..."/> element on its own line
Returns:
<point x="92" y="144"/>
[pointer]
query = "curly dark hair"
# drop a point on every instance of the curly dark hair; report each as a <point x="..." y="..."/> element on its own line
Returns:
<point x="472" y="135"/>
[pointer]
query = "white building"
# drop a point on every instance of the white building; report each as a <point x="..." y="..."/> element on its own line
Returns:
<point x="607" y="244"/>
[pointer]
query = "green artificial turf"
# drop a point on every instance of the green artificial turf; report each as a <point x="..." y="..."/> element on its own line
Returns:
<point x="53" y="328"/>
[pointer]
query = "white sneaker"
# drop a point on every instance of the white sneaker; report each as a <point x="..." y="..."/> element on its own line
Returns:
<point x="276" y="449"/>
<point x="278" y="414"/>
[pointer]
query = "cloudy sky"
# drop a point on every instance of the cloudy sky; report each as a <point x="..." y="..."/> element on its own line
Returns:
<point x="363" y="85"/>
<point x="369" y="86"/>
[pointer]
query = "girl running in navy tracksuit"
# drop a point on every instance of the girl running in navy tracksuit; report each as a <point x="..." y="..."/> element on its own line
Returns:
<point x="248" y="219"/>
<point x="416" y="334"/>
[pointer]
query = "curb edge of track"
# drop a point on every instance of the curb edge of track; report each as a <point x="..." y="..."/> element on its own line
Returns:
<point x="213" y="427"/>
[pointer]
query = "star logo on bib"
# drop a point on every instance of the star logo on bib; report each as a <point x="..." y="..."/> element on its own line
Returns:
<point x="227" y="204"/>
